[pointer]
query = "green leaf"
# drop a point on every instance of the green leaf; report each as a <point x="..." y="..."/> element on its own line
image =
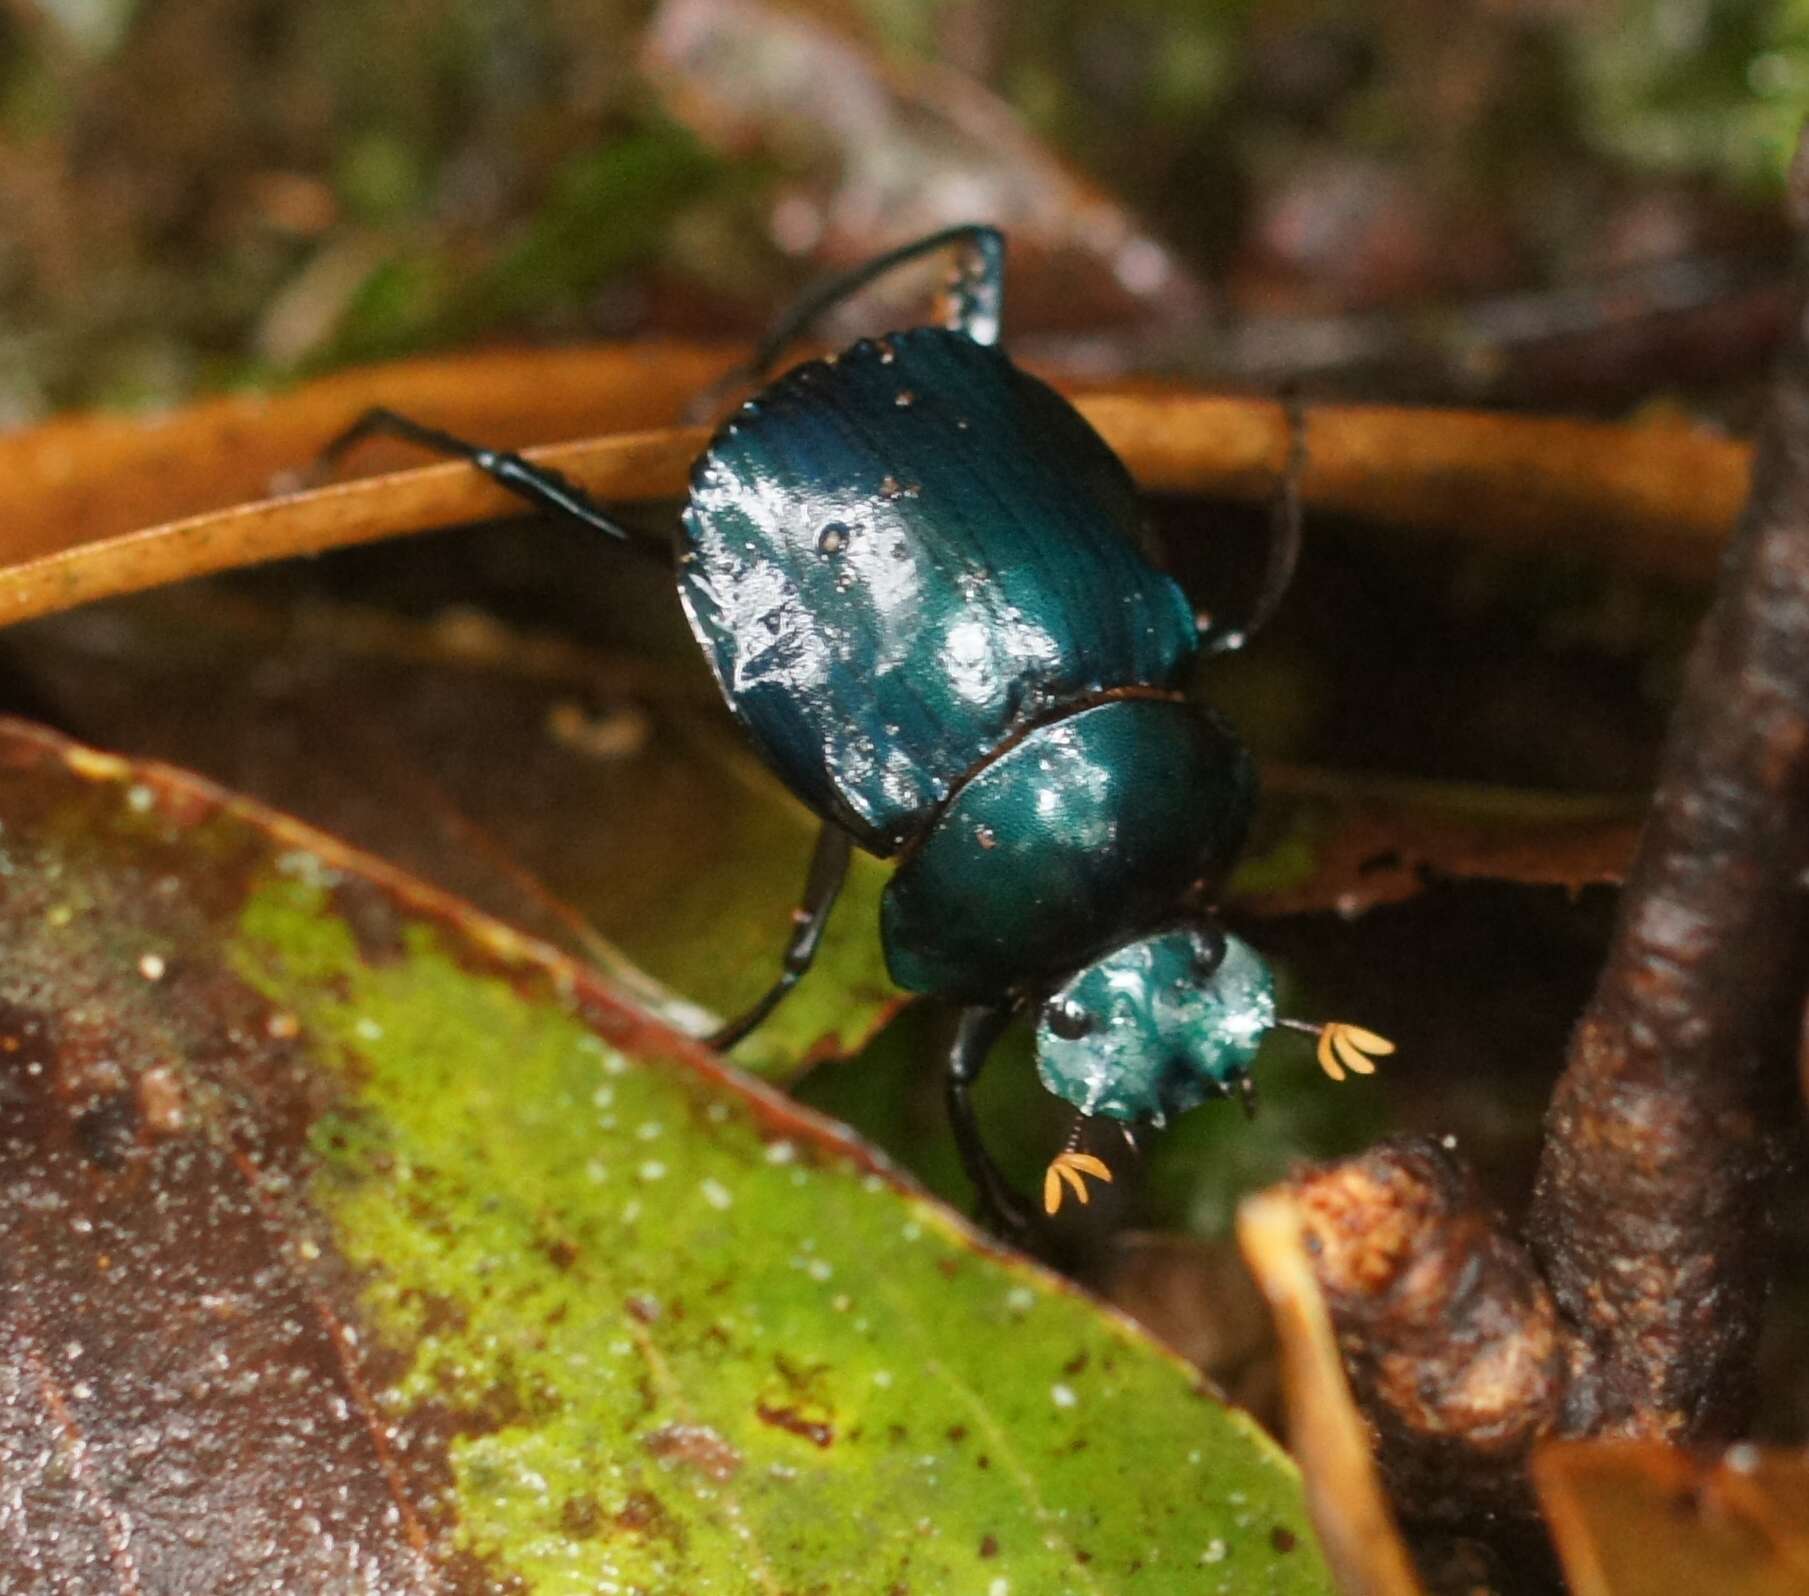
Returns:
<point x="601" y="802"/>
<point x="353" y="1236"/>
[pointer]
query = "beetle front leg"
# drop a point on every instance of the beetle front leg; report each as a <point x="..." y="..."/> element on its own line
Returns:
<point x="537" y="485"/>
<point x="999" y="1207"/>
<point x="828" y="870"/>
<point x="977" y="299"/>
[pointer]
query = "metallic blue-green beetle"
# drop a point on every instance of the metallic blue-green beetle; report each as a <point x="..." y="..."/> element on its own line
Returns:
<point x="920" y="578"/>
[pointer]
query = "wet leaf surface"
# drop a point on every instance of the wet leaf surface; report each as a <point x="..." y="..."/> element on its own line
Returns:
<point x="351" y="1238"/>
<point x="1640" y="1519"/>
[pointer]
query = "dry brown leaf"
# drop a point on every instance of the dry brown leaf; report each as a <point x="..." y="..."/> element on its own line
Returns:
<point x="1635" y="1518"/>
<point x="1344" y="843"/>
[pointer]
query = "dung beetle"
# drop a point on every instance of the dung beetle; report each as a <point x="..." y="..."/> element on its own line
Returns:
<point x="920" y="578"/>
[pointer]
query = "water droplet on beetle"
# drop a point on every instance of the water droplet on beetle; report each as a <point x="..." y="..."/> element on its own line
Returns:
<point x="986" y="837"/>
<point x="832" y="539"/>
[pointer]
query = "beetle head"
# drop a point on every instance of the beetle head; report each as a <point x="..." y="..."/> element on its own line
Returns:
<point x="1157" y="1025"/>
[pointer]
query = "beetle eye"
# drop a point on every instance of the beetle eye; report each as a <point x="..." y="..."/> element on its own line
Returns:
<point x="1067" y="1021"/>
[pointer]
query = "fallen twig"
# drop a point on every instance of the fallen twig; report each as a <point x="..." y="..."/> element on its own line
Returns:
<point x="1636" y="1307"/>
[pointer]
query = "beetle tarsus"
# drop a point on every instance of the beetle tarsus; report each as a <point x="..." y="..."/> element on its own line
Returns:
<point x="976" y="301"/>
<point x="537" y="485"/>
<point x="978" y="297"/>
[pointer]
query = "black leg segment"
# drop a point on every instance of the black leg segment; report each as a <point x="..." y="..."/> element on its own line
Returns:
<point x="976" y="302"/>
<point x="828" y="870"/>
<point x="999" y="1206"/>
<point x="543" y="488"/>
<point x="1284" y="545"/>
<point x="978" y="296"/>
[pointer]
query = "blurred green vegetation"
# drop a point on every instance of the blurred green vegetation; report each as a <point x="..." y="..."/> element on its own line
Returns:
<point x="235" y="191"/>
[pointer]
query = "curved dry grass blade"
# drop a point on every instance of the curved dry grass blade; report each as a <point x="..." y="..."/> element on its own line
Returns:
<point x="647" y="465"/>
<point x="82" y="478"/>
<point x="1657" y="498"/>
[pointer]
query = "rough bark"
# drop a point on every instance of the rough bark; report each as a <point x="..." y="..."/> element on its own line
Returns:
<point x="1634" y="1306"/>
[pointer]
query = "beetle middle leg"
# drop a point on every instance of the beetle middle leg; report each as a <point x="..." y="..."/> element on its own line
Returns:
<point x="1284" y="545"/>
<point x="540" y="486"/>
<point x="979" y="1028"/>
<point x="828" y="870"/>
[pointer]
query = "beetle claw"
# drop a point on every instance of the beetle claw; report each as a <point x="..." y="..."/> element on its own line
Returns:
<point x="1246" y="1088"/>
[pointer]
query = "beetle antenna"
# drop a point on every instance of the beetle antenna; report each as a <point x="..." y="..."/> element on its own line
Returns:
<point x="1068" y="1168"/>
<point x="1343" y="1046"/>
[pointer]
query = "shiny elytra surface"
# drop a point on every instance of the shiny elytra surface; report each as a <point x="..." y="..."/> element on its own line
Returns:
<point x="1092" y="825"/>
<point x="896" y="559"/>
